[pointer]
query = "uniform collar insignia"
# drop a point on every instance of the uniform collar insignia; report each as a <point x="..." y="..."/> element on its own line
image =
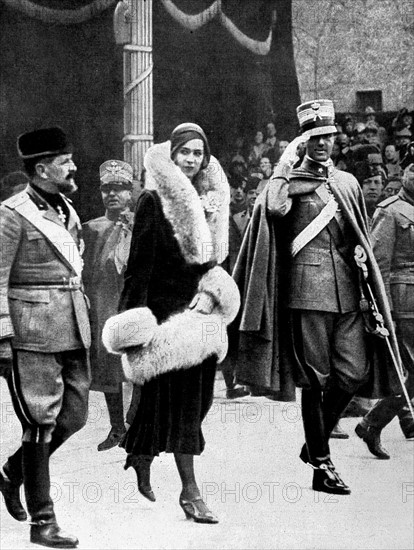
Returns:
<point x="39" y="202"/>
<point x="315" y="167"/>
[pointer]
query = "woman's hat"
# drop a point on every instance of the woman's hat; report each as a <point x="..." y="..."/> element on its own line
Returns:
<point x="186" y="132"/>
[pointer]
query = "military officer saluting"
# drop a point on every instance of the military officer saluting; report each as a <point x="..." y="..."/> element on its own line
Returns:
<point x="44" y="325"/>
<point x="320" y="222"/>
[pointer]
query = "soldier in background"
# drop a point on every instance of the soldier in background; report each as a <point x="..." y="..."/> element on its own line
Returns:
<point x="402" y="139"/>
<point x="393" y="187"/>
<point x="393" y="241"/>
<point x="107" y="244"/>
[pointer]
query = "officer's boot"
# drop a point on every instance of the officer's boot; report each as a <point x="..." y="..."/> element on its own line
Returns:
<point x="10" y="484"/>
<point x="44" y="528"/>
<point x="12" y="481"/>
<point x="335" y="401"/>
<point x="370" y="427"/>
<point x="316" y="452"/>
<point x="406" y="421"/>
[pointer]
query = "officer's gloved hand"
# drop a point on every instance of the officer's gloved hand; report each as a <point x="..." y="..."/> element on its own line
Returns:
<point x="289" y="157"/>
<point x="202" y="302"/>
<point x="6" y="358"/>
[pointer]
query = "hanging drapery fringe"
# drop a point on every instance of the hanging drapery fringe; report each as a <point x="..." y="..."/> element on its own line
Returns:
<point x="194" y="22"/>
<point x="60" y="17"/>
<point x="256" y="46"/>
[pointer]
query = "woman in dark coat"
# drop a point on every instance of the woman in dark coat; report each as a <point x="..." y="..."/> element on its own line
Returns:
<point x="179" y="236"/>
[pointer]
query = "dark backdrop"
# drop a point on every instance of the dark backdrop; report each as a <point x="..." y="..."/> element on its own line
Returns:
<point x="72" y="76"/>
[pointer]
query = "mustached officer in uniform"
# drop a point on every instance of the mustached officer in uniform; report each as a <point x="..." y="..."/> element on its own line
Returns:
<point x="44" y="331"/>
<point x="107" y="243"/>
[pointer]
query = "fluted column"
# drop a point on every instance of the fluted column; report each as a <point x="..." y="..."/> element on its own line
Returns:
<point x="138" y="104"/>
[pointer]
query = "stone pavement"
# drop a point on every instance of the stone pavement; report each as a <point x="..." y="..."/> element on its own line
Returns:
<point x="251" y="478"/>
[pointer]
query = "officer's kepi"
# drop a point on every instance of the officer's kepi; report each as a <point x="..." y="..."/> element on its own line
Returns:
<point x="117" y="173"/>
<point x="317" y="117"/>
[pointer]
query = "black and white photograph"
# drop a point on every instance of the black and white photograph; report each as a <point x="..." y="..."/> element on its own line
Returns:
<point x="207" y="274"/>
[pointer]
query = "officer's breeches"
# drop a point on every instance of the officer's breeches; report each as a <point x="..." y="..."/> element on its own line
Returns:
<point x="330" y="354"/>
<point x="50" y="392"/>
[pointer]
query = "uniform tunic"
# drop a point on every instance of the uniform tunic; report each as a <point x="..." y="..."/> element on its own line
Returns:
<point x="393" y="241"/>
<point x="318" y="285"/>
<point x="103" y="286"/>
<point x="44" y="311"/>
<point x="322" y="288"/>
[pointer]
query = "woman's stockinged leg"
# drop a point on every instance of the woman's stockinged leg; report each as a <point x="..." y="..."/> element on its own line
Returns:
<point x="190" y="498"/>
<point x="185" y="467"/>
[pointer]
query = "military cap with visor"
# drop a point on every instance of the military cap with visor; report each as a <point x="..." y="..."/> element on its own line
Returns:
<point x="317" y="117"/>
<point x="116" y="172"/>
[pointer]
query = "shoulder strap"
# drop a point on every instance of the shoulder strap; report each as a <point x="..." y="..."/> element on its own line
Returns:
<point x="407" y="210"/>
<point x="388" y="201"/>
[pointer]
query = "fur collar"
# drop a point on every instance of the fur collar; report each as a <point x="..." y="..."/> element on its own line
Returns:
<point x="201" y="235"/>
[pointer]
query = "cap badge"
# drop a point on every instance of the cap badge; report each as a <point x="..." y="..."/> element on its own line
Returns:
<point x="315" y="107"/>
<point x="114" y="168"/>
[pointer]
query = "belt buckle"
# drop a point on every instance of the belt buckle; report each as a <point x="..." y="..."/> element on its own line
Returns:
<point x="72" y="281"/>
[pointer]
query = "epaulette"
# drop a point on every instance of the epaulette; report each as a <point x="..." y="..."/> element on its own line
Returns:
<point x="388" y="201"/>
<point x="16" y="200"/>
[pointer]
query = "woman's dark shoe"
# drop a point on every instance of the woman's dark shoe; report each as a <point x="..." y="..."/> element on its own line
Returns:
<point x="197" y="510"/>
<point x="147" y="492"/>
<point x="372" y="437"/>
<point x="327" y="480"/>
<point x="11" y="492"/>
<point x="142" y="467"/>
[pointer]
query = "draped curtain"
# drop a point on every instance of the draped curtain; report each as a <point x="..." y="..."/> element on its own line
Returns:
<point x="49" y="12"/>
<point x="227" y="65"/>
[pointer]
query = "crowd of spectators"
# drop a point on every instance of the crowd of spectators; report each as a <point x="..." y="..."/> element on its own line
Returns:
<point x="374" y="154"/>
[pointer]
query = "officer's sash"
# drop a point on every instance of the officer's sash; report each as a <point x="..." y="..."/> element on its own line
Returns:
<point x="58" y="236"/>
<point x="315" y="227"/>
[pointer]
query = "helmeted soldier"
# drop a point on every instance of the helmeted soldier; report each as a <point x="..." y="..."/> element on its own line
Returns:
<point x="44" y="330"/>
<point x="393" y="242"/>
